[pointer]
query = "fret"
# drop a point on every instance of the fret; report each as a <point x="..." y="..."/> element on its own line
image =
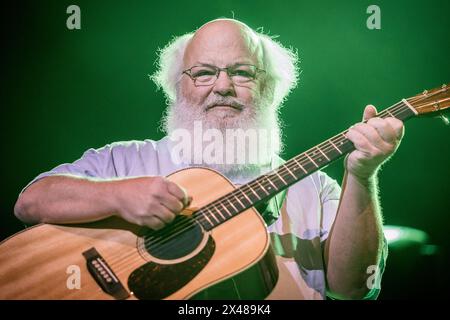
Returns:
<point x="387" y="111"/>
<point x="335" y="146"/>
<point x="276" y="172"/>
<point x="237" y="198"/>
<point x="257" y="196"/>
<point x="410" y="108"/>
<point x="247" y="196"/>
<point x="300" y="165"/>
<point x="347" y="146"/>
<point x="342" y="141"/>
<point x="270" y="181"/>
<point x="287" y="168"/>
<point x="323" y="154"/>
<point x="213" y="215"/>
<point x="229" y="201"/>
<point x="262" y="187"/>
<point x="306" y="153"/>
<point x="203" y="219"/>
<point x="226" y="209"/>
<point x="313" y="154"/>
<point x="219" y="212"/>
<point x="207" y="218"/>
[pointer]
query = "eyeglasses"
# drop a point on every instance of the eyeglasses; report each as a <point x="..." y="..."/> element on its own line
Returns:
<point x="207" y="75"/>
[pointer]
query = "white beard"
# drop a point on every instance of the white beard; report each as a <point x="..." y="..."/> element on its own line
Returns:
<point x="239" y="161"/>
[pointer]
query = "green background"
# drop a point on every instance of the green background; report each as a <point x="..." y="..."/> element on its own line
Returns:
<point x="66" y="91"/>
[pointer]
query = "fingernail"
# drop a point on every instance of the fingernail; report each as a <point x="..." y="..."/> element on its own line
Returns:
<point x="188" y="201"/>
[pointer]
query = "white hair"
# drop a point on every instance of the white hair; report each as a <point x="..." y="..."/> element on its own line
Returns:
<point x="279" y="62"/>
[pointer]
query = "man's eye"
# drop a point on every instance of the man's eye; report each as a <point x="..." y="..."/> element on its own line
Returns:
<point x="243" y="73"/>
<point x="204" y="72"/>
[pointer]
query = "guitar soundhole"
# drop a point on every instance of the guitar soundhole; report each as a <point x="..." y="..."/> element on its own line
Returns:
<point x="174" y="241"/>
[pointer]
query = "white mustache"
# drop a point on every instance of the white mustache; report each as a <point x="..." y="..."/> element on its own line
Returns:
<point x="224" y="102"/>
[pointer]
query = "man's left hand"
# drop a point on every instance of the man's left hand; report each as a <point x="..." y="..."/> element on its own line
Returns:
<point x="375" y="141"/>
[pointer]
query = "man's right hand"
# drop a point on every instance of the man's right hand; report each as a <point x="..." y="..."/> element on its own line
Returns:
<point x="149" y="201"/>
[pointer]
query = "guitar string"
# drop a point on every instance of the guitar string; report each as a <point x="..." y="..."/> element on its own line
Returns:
<point x="426" y="95"/>
<point x="188" y="224"/>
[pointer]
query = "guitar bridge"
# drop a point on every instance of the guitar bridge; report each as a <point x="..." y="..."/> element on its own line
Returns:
<point x="103" y="275"/>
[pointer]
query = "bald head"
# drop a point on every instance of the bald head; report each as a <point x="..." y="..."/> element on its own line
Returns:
<point x="222" y="42"/>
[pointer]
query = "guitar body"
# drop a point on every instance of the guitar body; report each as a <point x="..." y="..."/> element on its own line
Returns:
<point x="51" y="261"/>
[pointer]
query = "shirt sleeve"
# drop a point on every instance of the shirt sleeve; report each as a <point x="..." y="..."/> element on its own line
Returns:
<point x="94" y="163"/>
<point x="330" y="193"/>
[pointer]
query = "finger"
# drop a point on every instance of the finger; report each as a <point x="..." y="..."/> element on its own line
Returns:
<point x="369" y="112"/>
<point x="360" y="141"/>
<point x="398" y="127"/>
<point x="384" y="129"/>
<point x="154" y="223"/>
<point x="372" y="135"/>
<point x="172" y="203"/>
<point x="178" y="192"/>
<point x="164" y="214"/>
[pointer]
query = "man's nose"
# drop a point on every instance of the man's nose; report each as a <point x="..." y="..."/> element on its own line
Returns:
<point x="224" y="85"/>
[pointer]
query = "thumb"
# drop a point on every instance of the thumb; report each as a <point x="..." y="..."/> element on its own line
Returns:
<point x="369" y="112"/>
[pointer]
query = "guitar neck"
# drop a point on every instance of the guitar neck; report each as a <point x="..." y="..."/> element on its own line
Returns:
<point x="295" y="169"/>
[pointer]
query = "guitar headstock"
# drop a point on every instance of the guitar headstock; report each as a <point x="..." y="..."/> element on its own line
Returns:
<point x="431" y="102"/>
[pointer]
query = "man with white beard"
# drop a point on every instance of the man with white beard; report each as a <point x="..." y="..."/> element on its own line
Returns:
<point x="224" y="77"/>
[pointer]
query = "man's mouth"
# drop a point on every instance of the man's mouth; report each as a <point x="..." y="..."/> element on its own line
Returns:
<point x="236" y="107"/>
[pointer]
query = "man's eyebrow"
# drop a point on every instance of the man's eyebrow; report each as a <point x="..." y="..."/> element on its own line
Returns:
<point x="205" y="64"/>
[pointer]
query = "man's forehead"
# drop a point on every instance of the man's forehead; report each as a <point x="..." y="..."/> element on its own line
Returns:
<point x="218" y="61"/>
<point x="223" y="42"/>
<point x="228" y="30"/>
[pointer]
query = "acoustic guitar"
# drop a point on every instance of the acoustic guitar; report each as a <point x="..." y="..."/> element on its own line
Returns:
<point x="219" y="242"/>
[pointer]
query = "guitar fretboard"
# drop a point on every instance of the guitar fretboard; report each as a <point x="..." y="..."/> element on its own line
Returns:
<point x="297" y="168"/>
